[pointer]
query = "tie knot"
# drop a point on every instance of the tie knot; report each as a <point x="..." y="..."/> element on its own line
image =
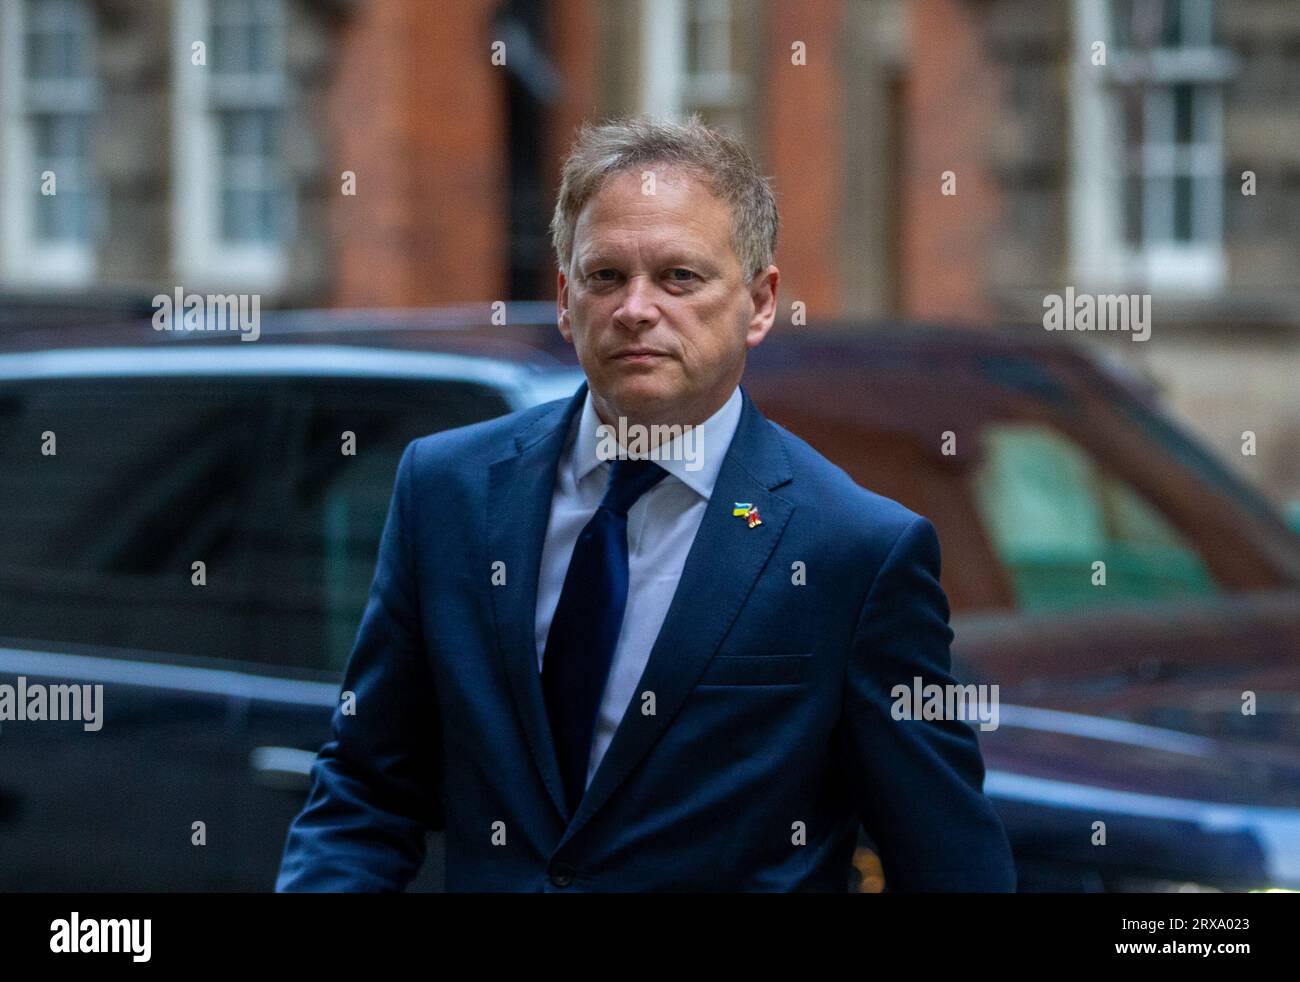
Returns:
<point x="628" y="480"/>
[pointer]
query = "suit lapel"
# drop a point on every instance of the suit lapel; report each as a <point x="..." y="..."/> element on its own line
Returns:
<point x="519" y="508"/>
<point x="721" y="568"/>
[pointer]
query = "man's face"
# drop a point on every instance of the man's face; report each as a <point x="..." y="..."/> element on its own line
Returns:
<point x="658" y="308"/>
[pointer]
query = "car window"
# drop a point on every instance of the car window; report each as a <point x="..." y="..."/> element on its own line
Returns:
<point x="316" y="537"/>
<point x="1051" y="511"/>
<point x="247" y="476"/>
<point x="112" y="490"/>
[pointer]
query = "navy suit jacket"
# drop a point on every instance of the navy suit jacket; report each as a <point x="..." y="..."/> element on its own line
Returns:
<point x="761" y="733"/>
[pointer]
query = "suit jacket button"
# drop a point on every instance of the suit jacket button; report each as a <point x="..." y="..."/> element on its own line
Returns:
<point x="562" y="874"/>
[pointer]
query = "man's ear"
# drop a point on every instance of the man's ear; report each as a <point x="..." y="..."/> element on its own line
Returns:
<point x="562" y="306"/>
<point x="762" y="292"/>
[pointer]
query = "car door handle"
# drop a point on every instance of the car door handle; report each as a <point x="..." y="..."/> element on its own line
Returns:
<point x="284" y="768"/>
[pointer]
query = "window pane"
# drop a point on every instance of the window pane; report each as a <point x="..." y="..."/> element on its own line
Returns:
<point x="1182" y="208"/>
<point x="694" y="46"/>
<point x="1170" y="130"/>
<point x="1141" y="24"/>
<point x="41" y="55"/>
<point x="253" y="189"/>
<point x="1051" y="513"/>
<point x="1206" y="195"/>
<point x="317" y="539"/>
<point x="56" y="107"/>
<point x="60" y="143"/>
<point x="49" y="223"/>
<point x="1133" y="206"/>
<point x="261" y="50"/>
<point x="64" y="217"/>
<point x="1121" y="24"/>
<point x="153" y="474"/>
<point x="1158" y="210"/>
<point x="235" y="212"/>
<point x="1158" y="120"/>
<point x="246" y="37"/>
<point x="269" y="215"/>
<point x="248" y="133"/>
<point x="149" y="477"/>
<point x="229" y="55"/>
<point x="58" y="36"/>
<point x="1171" y="28"/>
<point x="1198" y="23"/>
<point x="708" y="36"/>
<point x="1184" y="114"/>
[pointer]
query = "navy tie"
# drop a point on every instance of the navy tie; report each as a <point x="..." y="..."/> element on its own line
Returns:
<point x="587" y="620"/>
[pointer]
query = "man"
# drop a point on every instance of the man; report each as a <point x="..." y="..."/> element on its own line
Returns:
<point x="611" y="670"/>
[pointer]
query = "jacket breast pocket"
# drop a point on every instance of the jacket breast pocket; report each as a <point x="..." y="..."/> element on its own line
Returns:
<point x="756" y="670"/>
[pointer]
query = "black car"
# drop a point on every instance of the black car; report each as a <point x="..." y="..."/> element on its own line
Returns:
<point x="202" y="537"/>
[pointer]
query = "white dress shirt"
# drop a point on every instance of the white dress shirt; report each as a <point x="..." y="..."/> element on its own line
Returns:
<point x="661" y="526"/>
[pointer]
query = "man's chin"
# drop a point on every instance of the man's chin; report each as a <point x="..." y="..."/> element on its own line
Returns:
<point x="640" y="398"/>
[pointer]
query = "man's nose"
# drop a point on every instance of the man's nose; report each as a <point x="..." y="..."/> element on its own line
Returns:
<point x="640" y="306"/>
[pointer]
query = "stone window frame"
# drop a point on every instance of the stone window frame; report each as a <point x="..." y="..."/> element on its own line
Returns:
<point x="1101" y="253"/>
<point x="27" y="258"/>
<point x="202" y="254"/>
<point x="668" y="86"/>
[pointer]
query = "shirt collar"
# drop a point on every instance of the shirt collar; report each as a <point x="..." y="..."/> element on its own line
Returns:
<point x="708" y="446"/>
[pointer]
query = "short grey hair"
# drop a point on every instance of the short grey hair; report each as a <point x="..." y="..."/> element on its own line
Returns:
<point x="723" y="162"/>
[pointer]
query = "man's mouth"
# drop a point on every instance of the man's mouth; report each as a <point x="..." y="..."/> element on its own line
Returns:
<point x="638" y="355"/>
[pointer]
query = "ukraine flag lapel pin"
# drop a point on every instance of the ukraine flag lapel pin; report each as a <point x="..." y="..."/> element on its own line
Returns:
<point x="747" y="511"/>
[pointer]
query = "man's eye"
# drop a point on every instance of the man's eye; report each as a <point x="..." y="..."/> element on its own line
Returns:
<point x="681" y="279"/>
<point x="599" y="275"/>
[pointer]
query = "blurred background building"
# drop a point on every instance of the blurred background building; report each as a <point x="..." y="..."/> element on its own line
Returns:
<point x="405" y="152"/>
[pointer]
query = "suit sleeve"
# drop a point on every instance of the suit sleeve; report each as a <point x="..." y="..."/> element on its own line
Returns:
<point x="918" y="783"/>
<point x="377" y="784"/>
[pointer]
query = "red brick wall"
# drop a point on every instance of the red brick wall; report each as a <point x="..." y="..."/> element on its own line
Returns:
<point x="575" y="44"/>
<point x="417" y="112"/>
<point x="800" y="144"/>
<point x="950" y="105"/>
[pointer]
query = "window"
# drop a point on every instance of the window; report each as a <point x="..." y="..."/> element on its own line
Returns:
<point x="48" y="84"/>
<point x="149" y="476"/>
<point x="234" y="198"/>
<point x="317" y="538"/>
<point x="1051" y="512"/>
<point x="711" y="58"/>
<point x="694" y="59"/>
<point x="244" y="474"/>
<point x="1151" y="213"/>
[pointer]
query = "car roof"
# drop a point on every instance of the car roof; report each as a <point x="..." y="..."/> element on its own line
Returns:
<point x="525" y="332"/>
<point x="906" y="374"/>
<point x="522" y="339"/>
